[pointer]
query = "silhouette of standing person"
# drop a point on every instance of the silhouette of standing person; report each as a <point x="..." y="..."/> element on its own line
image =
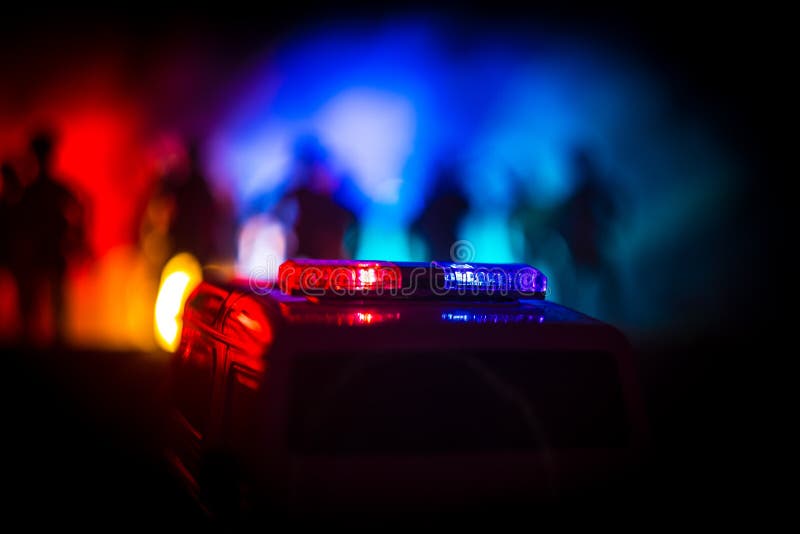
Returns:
<point x="195" y="222"/>
<point x="586" y="225"/>
<point x="439" y="221"/>
<point x="51" y="230"/>
<point x="319" y="221"/>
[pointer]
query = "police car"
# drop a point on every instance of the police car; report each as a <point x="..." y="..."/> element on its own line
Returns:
<point x="365" y="385"/>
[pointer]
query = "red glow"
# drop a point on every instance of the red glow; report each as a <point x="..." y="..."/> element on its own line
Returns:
<point x="100" y="141"/>
<point x="316" y="277"/>
<point x="99" y="157"/>
<point x="339" y="318"/>
<point x="104" y="132"/>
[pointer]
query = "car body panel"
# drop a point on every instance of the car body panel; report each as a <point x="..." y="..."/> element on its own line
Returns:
<point x="254" y="344"/>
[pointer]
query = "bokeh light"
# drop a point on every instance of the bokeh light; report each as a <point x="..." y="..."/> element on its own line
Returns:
<point x="181" y="275"/>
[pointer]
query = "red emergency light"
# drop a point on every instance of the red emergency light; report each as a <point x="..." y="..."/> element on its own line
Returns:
<point x="338" y="278"/>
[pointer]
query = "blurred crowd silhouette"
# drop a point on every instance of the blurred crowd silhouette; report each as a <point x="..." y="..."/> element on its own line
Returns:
<point x="43" y="228"/>
<point x="43" y="225"/>
<point x="182" y="213"/>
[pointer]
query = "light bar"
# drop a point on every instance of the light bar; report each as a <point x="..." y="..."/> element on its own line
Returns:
<point x="337" y="278"/>
<point x="342" y="278"/>
<point x="517" y="278"/>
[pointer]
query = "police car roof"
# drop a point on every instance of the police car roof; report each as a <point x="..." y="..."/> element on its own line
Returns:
<point x="354" y="311"/>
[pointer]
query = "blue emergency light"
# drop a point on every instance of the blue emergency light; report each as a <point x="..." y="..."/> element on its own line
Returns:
<point x="356" y="278"/>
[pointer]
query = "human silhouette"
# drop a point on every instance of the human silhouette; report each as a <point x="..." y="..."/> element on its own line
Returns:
<point x="195" y="220"/>
<point x="50" y="230"/>
<point x="586" y="224"/>
<point x="319" y="222"/>
<point x="440" y="219"/>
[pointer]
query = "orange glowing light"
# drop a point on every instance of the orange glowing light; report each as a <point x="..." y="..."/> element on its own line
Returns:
<point x="181" y="275"/>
